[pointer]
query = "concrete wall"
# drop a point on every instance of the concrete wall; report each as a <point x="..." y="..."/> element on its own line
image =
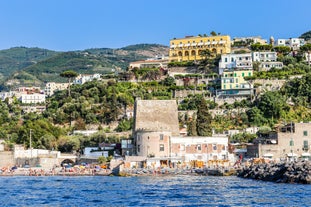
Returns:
<point x="6" y="159"/>
<point x="156" y="115"/>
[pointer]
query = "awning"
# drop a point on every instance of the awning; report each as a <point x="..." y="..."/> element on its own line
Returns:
<point x="180" y="45"/>
<point x="306" y="154"/>
<point x="200" y="43"/>
<point x="193" y="44"/>
<point x="207" y="43"/>
<point x="268" y="155"/>
<point x="187" y="45"/>
<point x="173" y="46"/>
<point x="292" y="155"/>
<point x="214" y="42"/>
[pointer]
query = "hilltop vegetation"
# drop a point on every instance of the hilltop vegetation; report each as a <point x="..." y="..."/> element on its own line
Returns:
<point x="36" y="66"/>
<point x="17" y="58"/>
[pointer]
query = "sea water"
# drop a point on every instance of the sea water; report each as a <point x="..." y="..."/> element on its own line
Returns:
<point x="181" y="190"/>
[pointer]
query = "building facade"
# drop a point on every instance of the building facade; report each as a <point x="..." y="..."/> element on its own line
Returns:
<point x="249" y="40"/>
<point x="202" y="149"/>
<point x="264" y="56"/>
<point x="191" y="48"/>
<point x="234" y="79"/>
<point x="293" y="43"/>
<point x="32" y="98"/>
<point x="293" y="141"/>
<point x="51" y="87"/>
<point x="266" y="66"/>
<point x="81" y="79"/>
<point x="239" y="61"/>
<point x="234" y="84"/>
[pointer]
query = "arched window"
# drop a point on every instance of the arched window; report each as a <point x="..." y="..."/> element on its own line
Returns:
<point x="193" y="52"/>
<point x="179" y="53"/>
<point x="186" y="53"/>
<point x="214" y="50"/>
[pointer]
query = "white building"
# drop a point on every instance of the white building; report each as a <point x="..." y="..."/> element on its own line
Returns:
<point x="245" y="61"/>
<point x="307" y="57"/>
<point x="293" y="43"/>
<point x="264" y="56"/>
<point x="265" y="66"/>
<point x="229" y="61"/>
<point x="199" y="148"/>
<point x="81" y="79"/>
<point x="32" y="98"/>
<point x="51" y="87"/>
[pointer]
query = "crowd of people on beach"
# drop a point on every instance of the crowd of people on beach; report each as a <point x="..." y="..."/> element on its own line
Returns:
<point x="66" y="170"/>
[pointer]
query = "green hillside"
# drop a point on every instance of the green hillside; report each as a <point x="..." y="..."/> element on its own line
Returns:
<point x="17" y="58"/>
<point x="95" y="60"/>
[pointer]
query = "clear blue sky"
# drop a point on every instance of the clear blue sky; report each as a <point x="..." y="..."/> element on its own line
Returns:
<point x="65" y="25"/>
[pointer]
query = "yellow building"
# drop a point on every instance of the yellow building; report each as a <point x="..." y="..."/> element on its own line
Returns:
<point x="234" y="84"/>
<point x="234" y="79"/>
<point x="191" y="47"/>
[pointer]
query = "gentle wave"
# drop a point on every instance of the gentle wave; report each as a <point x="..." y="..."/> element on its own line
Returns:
<point x="179" y="190"/>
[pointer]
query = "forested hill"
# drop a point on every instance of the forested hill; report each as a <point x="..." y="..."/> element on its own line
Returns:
<point x="17" y="58"/>
<point x="24" y="66"/>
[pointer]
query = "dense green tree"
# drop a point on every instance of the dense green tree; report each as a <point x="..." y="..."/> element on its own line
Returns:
<point x="284" y="50"/>
<point x="299" y="87"/>
<point x="243" y="138"/>
<point x="204" y="119"/>
<point x="260" y="47"/>
<point x="272" y="104"/>
<point x="255" y="116"/>
<point x="192" y="126"/>
<point x="125" y="125"/>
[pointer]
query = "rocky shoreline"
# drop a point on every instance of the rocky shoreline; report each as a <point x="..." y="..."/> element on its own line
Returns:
<point x="287" y="172"/>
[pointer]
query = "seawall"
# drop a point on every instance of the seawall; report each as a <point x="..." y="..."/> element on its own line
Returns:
<point x="288" y="172"/>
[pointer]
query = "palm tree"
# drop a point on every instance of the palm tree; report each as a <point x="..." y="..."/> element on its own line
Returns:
<point x="69" y="74"/>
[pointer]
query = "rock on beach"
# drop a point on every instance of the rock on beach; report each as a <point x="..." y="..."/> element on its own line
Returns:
<point x="287" y="172"/>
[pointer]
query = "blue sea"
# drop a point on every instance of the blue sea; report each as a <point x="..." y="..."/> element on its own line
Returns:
<point x="181" y="190"/>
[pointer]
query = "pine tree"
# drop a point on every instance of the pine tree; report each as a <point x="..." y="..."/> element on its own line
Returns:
<point x="192" y="128"/>
<point x="204" y="119"/>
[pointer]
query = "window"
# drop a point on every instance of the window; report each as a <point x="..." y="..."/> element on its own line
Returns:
<point x="226" y="60"/>
<point x="235" y="74"/>
<point x="237" y="85"/>
<point x="161" y="136"/>
<point x="291" y="143"/>
<point x="161" y="147"/>
<point x="199" y="148"/>
<point x="305" y="145"/>
<point x="214" y="146"/>
<point x="182" y="147"/>
<point x="249" y="74"/>
<point x="305" y="133"/>
<point x="236" y="80"/>
<point x="242" y="74"/>
<point x="138" y="148"/>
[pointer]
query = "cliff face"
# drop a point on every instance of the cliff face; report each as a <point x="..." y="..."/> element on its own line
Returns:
<point x="156" y="115"/>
